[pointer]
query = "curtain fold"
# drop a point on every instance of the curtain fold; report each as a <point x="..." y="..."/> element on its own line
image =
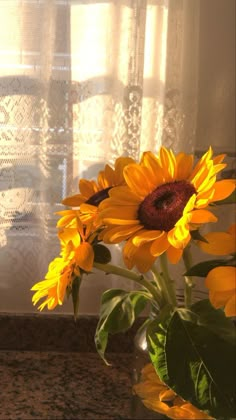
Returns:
<point x="82" y="82"/>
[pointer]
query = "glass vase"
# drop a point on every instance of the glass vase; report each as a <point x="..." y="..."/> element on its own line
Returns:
<point x="141" y="358"/>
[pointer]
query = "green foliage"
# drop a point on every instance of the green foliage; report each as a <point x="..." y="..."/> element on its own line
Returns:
<point x="75" y="288"/>
<point x="118" y="311"/>
<point x="195" y="234"/>
<point x="202" y="269"/>
<point x="193" y="352"/>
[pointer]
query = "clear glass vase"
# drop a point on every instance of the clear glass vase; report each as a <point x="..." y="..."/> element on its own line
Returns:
<point x="141" y="358"/>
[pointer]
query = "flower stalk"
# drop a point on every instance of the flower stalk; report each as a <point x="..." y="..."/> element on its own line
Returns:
<point x="188" y="280"/>
<point x="137" y="278"/>
<point x="168" y="281"/>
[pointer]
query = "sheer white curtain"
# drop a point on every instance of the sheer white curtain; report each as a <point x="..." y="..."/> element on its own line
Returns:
<point x="82" y="82"/>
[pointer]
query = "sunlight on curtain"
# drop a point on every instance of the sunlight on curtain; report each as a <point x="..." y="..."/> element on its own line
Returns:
<point x="82" y="82"/>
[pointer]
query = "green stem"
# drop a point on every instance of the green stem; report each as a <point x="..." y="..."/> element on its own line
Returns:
<point x="166" y="298"/>
<point x="123" y="272"/>
<point x="189" y="281"/>
<point x="168" y="281"/>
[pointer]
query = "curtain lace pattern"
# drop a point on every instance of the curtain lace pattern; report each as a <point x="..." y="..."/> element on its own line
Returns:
<point x="82" y="82"/>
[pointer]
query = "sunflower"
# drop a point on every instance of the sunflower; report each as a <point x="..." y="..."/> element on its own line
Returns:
<point x="60" y="274"/>
<point x="76" y="256"/>
<point x="159" y="397"/>
<point x="166" y="197"/>
<point x="221" y="282"/>
<point x="220" y="243"/>
<point x="92" y="193"/>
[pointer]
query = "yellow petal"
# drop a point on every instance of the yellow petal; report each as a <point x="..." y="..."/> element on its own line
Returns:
<point x="156" y="172"/>
<point x="138" y="179"/>
<point x="232" y="230"/>
<point x="174" y="254"/>
<point x="202" y="162"/>
<point x="88" y="188"/>
<point x="218" y="243"/>
<point x="120" y="164"/>
<point x="147" y="389"/>
<point x="106" y="178"/>
<point x="179" y="236"/>
<point x="230" y="307"/>
<point x="184" y="166"/>
<point x="177" y="412"/>
<point x="223" y="189"/>
<point x="118" y="234"/>
<point x="120" y="212"/>
<point x="146" y="236"/>
<point x="84" y="256"/>
<point x="120" y="195"/>
<point x="155" y="405"/>
<point x="167" y="395"/>
<point x="221" y="279"/>
<point x="159" y="245"/>
<point x="202" y="216"/>
<point x="70" y="234"/>
<point x="220" y="299"/>
<point x="168" y="163"/>
<point x="74" y="200"/>
<point x="143" y="259"/>
<point x="219" y="158"/>
<point x="63" y="282"/>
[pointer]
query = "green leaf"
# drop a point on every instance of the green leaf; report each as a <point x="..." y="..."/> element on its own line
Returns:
<point x="119" y="309"/>
<point x="75" y="288"/>
<point x="195" y="234"/>
<point x="102" y="254"/>
<point x="202" y="269"/>
<point x="193" y="352"/>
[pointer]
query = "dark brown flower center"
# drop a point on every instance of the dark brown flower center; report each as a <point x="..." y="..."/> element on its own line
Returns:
<point x="161" y="209"/>
<point x="98" y="197"/>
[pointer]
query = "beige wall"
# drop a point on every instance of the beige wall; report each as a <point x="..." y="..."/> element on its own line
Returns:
<point x="216" y="113"/>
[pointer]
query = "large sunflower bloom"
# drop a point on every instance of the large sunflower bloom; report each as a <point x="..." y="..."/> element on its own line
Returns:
<point x="164" y="199"/>
<point x="92" y="193"/>
<point x="158" y="397"/>
<point x="76" y="254"/>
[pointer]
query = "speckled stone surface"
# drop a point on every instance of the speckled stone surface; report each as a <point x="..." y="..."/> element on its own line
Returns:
<point x="42" y="377"/>
<point x="40" y="332"/>
<point x="50" y="370"/>
<point x="55" y="385"/>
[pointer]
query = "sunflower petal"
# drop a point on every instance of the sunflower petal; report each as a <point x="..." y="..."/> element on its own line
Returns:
<point x="88" y="188"/>
<point x="218" y="243"/>
<point x="184" y="166"/>
<point x="174" y="254"/>
<point x="118" y="234"/>
<point x="168" y="163"/>
<point x="221" y="279"/>
<point x="159" y="245"/>
<point x="202" y="216"/>
<point x="74" y="200"/>
<point x="223" y="189"/>
<point x="138" y="179"/>
<point x="84" y="256"/>
<point x="146" y="236"/>
<point x="230" y="307"/>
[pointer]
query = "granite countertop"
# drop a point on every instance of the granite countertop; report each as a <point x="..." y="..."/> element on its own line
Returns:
<point x="63" y="385"/>
<point x="50" y="370"/>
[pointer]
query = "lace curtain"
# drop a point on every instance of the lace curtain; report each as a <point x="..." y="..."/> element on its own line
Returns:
<point x="82" y="82"/>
